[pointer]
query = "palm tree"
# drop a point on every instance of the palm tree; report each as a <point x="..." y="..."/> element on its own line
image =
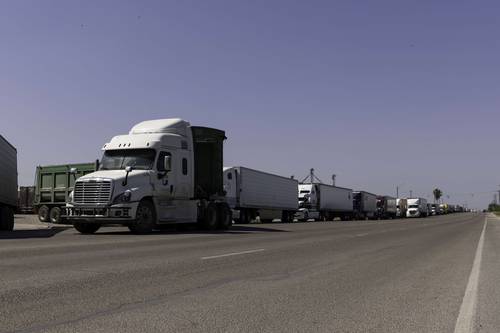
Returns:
<point x="437" y="194"/>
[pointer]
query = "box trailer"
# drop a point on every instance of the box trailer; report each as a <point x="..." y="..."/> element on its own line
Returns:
<point x="386" y="207"/>
<point x="251" y="193"/>
<point x="26" y="200"/>
<point x="365" y="205"/>
<point x="8" y="184"/>
<point x="53" y="184"/>
<point x="324" y="202"/>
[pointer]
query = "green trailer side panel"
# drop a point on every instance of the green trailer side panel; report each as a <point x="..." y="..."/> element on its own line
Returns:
<point x="53" y="183"/>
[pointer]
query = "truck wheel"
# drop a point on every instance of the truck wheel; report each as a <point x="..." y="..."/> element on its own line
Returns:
<point x="145" y="218"/>
<point x="44" y="214"/>
<point x="225" y="217"/>
<point x="210" y="219"/>
<point x="55" y="215"/>
<point x="86" y="228"/>
<point x="6" y="219"/>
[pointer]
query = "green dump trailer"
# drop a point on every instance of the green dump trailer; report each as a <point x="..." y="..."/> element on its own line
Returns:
<point x="53" y="184"/>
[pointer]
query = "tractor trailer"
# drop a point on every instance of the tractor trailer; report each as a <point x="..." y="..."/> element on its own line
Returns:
<point x="163" y="172"/>
<point x="365" y="205"/>
<point x="386" y="207"/>
<point x="8" y="184"/>
<point x="324" y="202"/>
<point x="251" y="193"/>
<point x="417" y="207"/>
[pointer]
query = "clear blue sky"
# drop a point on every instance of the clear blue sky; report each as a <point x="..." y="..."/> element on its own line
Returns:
<point x="379" y="92"/>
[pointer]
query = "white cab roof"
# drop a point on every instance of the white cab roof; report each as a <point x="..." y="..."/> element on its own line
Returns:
<point x="172" y="126"/>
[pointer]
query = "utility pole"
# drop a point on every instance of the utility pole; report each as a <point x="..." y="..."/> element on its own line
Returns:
<point x="333" y="179"/>
<point x="411" y="194"/>
<point x="397" y="191"/>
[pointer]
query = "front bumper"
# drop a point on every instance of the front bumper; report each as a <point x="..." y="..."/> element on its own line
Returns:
<point x="108" y="214"/>
<point x="412" y="213"/>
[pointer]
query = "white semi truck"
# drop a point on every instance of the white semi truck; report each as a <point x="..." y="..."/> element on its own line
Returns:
<point x="163" y="172"/>
<point x="324" y="202"/>
<point x="417" y="207"/>
<point x="8" y="184"/>
<point x="251" y="193"/>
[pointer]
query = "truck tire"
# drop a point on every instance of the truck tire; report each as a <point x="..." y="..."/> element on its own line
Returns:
<point x="55" y="215"/>
<point x="210" y="220"/>
<point x="86" y="228"/>
<point x="145" y="219"/>
<point x="225" y="218"/>
<point x="44" y="214"/>
<point x="6" y="219"/>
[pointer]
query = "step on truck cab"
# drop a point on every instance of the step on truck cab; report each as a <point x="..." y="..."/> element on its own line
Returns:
<point x="163" y="172"/>
<point x="8" y="184"/>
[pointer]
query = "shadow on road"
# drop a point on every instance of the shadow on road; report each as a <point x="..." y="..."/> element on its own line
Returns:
<point x="22" y="234"/>
<point x="188" y="230"/>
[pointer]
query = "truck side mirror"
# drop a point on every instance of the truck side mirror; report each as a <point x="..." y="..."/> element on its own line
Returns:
<point x="73" y="171"/>
<point x="167" y="162"/>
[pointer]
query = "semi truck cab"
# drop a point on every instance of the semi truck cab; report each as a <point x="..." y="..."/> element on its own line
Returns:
<point x="164" y="171"/>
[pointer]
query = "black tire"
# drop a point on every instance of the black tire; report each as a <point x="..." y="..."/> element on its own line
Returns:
<point x="6" y="219"/>
<point x="145" y="219"/>
<point x="210" y="220"/>
<point x="86" y="228"/>
<point x="55" y="215"/>
<point x="225" y="218"/>
<point x="44" y="214"/>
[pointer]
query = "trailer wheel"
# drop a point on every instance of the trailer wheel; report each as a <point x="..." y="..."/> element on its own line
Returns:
<point x="210" y="218"/>
<point x="86" y="228"/>
<point x="6" y="219"/>
<point x="145" y="218"/>
<point x="55" y="215"/>
<point x="44" y="214"/>
<point x="225" y="219"/>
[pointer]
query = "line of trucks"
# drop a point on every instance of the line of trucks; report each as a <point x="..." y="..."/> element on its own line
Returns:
<point x="168" y="172"/>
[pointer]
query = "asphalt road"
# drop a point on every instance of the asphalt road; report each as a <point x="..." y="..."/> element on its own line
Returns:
<point x="415" y="275"/>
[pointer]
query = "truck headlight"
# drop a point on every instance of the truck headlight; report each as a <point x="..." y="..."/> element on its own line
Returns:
<point x="124" y="197"/>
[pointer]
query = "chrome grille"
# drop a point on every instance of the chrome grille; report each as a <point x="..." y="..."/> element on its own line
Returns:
<point x="92" y="192"/>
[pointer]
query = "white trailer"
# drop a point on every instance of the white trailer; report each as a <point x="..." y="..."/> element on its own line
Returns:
<point x="324" y="202"/>
<point x="8" y="184"/>
<point x="251" y="193"/>
<point x="417" y="207"/>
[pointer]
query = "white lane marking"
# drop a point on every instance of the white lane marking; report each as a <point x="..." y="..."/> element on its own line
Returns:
<point x="232" y="254"/>
<point x="465" y="320"/>
<point x="361" y="235"/>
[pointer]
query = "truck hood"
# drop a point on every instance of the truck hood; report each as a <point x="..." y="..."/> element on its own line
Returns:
<point x="117" y="175"/>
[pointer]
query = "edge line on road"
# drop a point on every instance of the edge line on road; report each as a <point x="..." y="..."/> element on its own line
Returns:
<point x="232" y="254"/>
<point x="465" y="319"/>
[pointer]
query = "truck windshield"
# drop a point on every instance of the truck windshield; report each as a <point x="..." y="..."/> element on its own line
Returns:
<point x="413" y="206"/>
<point x="141" y="159"/>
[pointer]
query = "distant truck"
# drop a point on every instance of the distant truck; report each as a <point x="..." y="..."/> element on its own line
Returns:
<point x="417" y="207"/>
<point x="401" y="207"/>
<point x="324" y="202"/>
<point x="251" y="193"/>
<point x="53" y="184"/>
<point x="8" y="184"/>
<point x="434" y="209"/>
<point x="386" y="207"/>
<point x="163" y="172"/>
<point x="26" y="199"/>
<point x="365" y="205"/>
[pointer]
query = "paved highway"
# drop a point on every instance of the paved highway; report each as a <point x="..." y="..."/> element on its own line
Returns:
<point x="438" y="274"/>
